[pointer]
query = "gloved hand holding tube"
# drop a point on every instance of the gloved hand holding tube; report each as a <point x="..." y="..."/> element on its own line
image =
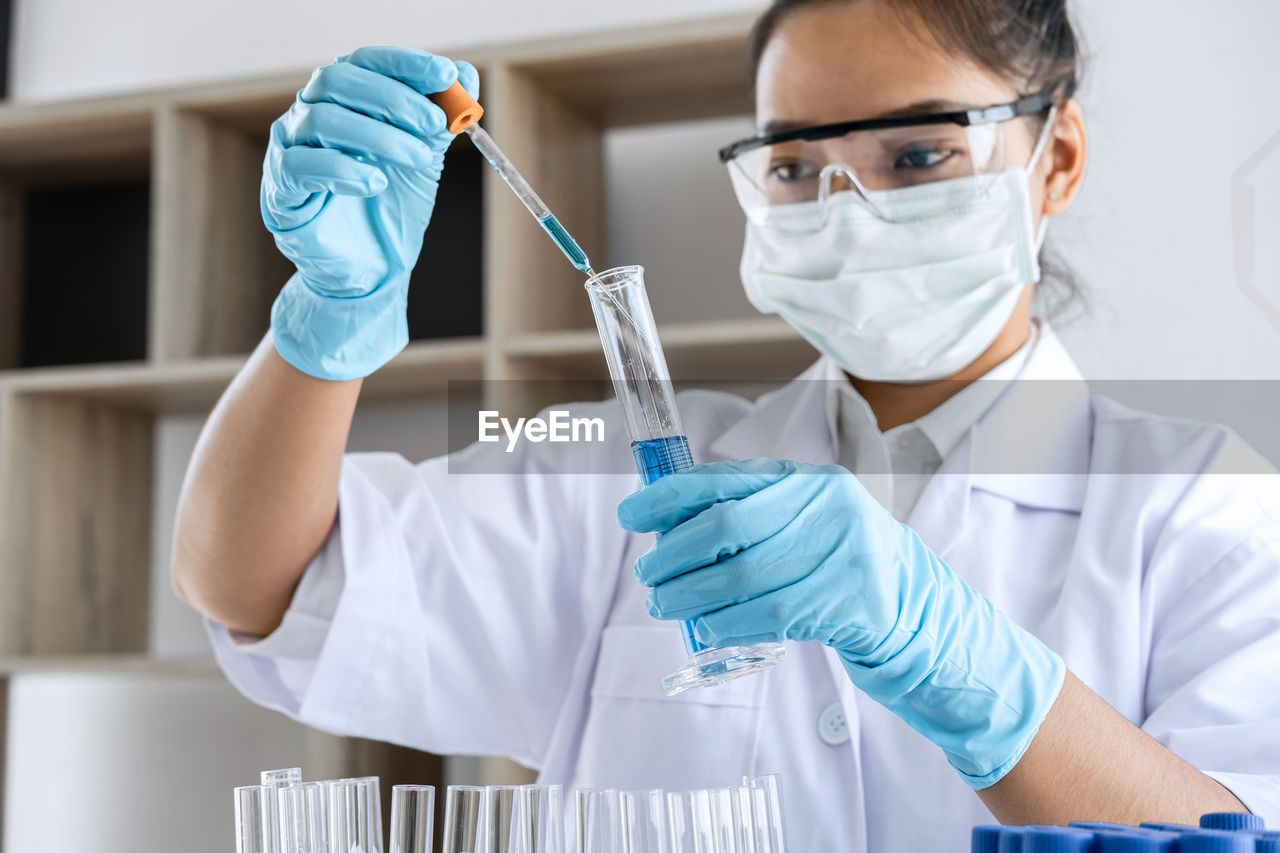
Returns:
<point x="348" y="187"/>
<point x="768" y="550"/>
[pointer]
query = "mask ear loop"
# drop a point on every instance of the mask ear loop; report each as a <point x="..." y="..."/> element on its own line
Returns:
<point x="1041" y="146"/>
<point x="1043" y="143"/>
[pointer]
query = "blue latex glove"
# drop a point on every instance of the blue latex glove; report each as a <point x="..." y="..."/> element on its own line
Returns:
<point x="348" y="186"/>
<point x="765" y="551"/>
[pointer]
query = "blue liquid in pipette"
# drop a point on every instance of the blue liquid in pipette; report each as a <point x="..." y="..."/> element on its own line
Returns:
<point x="567" y="244"/>
<point x="655" y="459"/>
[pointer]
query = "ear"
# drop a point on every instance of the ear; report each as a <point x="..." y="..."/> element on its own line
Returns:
<point x="1066" y="157"/>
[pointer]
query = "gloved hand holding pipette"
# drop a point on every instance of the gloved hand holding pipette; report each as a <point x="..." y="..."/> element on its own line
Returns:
<point x="765" y="550"/>
<point x="348" y="187"/>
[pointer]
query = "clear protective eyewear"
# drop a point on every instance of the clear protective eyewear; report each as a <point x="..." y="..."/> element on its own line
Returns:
<point x="879" y="155"/>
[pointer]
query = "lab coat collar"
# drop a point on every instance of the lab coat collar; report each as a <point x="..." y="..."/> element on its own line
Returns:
<point x="1032" y="445"/>
<point x="789" y="423"/>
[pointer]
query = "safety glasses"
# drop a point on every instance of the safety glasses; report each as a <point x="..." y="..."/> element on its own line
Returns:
<point x="878" y="155"/>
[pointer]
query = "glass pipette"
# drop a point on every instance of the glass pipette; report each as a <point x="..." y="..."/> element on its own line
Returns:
<point x="463" y="114"/>
<point x="529" y="198"/>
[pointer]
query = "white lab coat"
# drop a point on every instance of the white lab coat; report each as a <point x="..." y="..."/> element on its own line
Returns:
<point x="497" y="614"/>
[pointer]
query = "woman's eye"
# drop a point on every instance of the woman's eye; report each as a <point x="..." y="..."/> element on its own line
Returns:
<point x="790" y="172"/>
<point x="923" y="158"/>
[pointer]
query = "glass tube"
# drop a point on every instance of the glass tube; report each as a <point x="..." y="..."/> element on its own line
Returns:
<point x="540" y="817"/>
<point x="644" y="821"/>
<point x="301" y="821"/>
<point x="689" y="824"/>
<point x="350" y="825"/>
<point x="373" y="787"/>
<point x="500" y="817"/>
<point x="413" y="811"/>
<point x="599" y="820"/>
<point x="743" y="820"/>
<point x="370" y="797"/>
<point x="272" y="780"/>
<point x="463" y="815"/>
<point x="253" y="824"/>
<point x="767" y="808"/>
<point x="724" y="832"/>
<point x="762" y="837"/>
<point x="642" y="383"/>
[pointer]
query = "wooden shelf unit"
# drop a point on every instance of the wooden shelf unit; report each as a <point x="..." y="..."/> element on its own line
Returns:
<point x="76" y="442"/>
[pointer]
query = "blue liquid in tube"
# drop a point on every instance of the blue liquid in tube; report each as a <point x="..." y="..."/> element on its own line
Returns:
<point x="655" y="459"/>
<point x="658" y="457"/>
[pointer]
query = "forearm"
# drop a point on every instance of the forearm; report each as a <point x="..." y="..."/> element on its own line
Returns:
<point x="1089" y="763"/>
<point x="261" y="492"/>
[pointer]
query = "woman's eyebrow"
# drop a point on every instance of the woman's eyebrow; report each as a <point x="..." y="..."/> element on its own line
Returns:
<point x="936" y="105"/>
<point x="778" y="125"/>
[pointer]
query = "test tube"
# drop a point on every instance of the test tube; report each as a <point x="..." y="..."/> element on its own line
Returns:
<point x="762" y="833"/>
<point x="301" y="822"/>
<point x="500" y="818"/>
<point x="272" y="780"/>
<point x="413" y="809"/>
<point x="370" y="798"/>
<point x="766" y="809"/>
<point x="744" y="820"/>
<point x="598" y="816"/>
<point x="463" y="819"/>
<point x="644" y="821"/>
<point x="689" y="823"/>
<point x="638" y="369"/>
<point x="540" y="817"/>
<point x="350" y="824"/>
<point x="253" y="824"/>
<point x="724" y="830"/>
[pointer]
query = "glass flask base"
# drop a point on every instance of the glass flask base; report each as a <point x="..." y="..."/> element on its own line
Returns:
<point x="710" y="667"/>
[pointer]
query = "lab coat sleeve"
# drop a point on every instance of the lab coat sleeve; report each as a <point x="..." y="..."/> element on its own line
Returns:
<point x="1213" y="595"/>
<point x="451" y="612"/>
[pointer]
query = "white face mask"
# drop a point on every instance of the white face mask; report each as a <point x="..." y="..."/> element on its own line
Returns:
<point x="914" y="299"/>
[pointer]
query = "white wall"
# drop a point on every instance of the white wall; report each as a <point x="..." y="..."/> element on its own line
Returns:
<point x="1180" y="95"/>
<point x="75" y="47"/>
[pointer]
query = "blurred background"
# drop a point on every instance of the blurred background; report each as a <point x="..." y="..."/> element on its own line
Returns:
<point x="135" y="274"/>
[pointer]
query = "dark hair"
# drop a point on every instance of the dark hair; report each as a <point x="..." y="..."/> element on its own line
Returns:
<point x="1029" y="43"/>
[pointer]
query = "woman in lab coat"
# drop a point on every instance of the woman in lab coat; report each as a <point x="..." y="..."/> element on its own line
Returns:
<point x="1066" y="606"/>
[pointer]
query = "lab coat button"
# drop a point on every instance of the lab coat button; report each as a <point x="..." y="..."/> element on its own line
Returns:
<point x="833" y="728"/>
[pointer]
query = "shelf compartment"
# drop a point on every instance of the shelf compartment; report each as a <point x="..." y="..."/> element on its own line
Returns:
<point x="83" y="298"/>
<point x="216" y="268"/>
<point x="422" y="369"/>
<point x="765" y="349"/>
<point x="69" y="142"/>
<point x="75" y="209"/>
<point x="647" y="74"/>
<point x="446" y="285"/>
<point x="107" y="664"/>
<point x="75" y="519"/>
